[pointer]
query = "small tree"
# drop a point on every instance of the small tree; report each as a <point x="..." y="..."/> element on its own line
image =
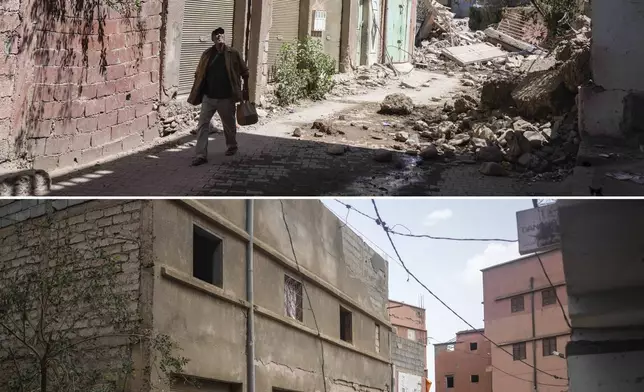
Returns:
<point x="69" y="319"/>
<point x="303" y="70"/>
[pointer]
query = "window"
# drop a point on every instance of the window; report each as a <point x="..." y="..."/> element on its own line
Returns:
<point x="207" y="257"/>
<point x="474" y="378"/>
<point x="516" y="304"/>
<point x="293" y="298"/>
<point x="377" y="338"/>
<point x="450" y="347"/>
<point x="518" y="351"/>
<point x="411" y="334"/>
<point x="548" y="297"/>
<point x="549" y="345"/>
<point x="450" y="381"/>
<point x="474" y="346"/>
<point x="346" y="329"/>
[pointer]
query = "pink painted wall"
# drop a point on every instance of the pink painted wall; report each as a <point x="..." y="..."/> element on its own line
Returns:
<point x="504" y="327"/>
<point x="462" y="363"/>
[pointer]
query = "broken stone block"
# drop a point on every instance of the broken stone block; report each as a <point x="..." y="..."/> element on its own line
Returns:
<point x="478" y="142"/>
<point x="536" y="138"/>
<point x="543" y="93"/>
<point x="336" y="149"/>
<point x="484" y="132"/>
<point x="459" y="140"/>
<point x="397" y="104"/>
<point x="420" y="126"/>
<point x="493" y="169"/>
<point x="517" y="144"/>
<point x="297" y="132"/>
<point x="489" y="154"/>
<point x="401" y="136"/>
<point x="429" y="152"/>
<point x="447" y="128"/>
<point x="462" y="105"/>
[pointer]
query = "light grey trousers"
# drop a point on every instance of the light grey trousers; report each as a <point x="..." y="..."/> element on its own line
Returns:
<point x="226" y="109"/>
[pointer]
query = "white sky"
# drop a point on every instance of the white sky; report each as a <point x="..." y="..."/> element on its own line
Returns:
<point x="451" y="269"/>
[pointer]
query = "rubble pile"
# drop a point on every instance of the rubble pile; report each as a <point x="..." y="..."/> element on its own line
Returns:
<point x="176" y="116"/>
<point x="500" y="142"/>
<point x="361" y="80"/>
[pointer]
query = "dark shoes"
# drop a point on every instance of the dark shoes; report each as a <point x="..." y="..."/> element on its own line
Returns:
<point x="231" y="151"/>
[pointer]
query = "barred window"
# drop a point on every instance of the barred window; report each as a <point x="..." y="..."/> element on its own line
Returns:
<point x="293" y="298"/>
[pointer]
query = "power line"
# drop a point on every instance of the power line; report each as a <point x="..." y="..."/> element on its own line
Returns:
<point x="410" y="234"/>
<point x="383" y="225"/>
<point x="555" y="291"/>
<point x="290" y="238"/>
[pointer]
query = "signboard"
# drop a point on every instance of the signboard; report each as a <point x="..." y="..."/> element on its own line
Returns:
<point x="538" y="229"/>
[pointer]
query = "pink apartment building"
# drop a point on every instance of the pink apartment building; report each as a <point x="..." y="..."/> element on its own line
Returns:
<point x="523" y="316"/>
<point x="463" y="364"/>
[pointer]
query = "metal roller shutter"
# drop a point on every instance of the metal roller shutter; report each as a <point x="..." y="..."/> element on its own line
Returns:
<point x="285" y="26"/>
<point x="200" y="18"/>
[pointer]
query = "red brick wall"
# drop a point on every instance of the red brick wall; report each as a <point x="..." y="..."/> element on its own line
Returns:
<point x="86" y="82"/>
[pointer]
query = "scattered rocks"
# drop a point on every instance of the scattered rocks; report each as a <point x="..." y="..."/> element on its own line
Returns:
<point x="478" y="143"/>
<point x="484" y="132"/>
<point x="297" y="132"/>
<point x="397" y="104"/>
<point x="462" y="105"/>
<point x="536" y="138"/>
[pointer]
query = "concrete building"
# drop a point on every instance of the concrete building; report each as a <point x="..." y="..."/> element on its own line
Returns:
<point x="409" y="346"/>
<point x="463" y="364"/>
<point x="610" y="106"/>
<point x="204" y="271"/>
<point x="602" y="258"/>
<point x="523" y="316"/>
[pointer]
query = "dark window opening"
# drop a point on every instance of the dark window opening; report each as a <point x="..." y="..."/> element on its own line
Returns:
<point x="474" y="378"/>
<point x="548" y="297"/>
<point x="450" y="381"/>
<point x="549" y="345"/>
<point x="516" y="304"/>
<point x="474" y="346"/>
<point x="293" y="298"/>
<point x="518" y="351"/>
<point x="346" y="328"/>
<point x="207" y="257"/>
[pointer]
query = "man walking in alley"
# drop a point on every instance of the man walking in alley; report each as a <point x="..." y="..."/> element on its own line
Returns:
<point x="218" y="88"/>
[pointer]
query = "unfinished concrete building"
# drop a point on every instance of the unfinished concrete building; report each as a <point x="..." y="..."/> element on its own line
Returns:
<point x="221" y="279"/>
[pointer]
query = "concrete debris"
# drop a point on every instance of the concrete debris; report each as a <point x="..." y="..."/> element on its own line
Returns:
<point x="324" y="126"/>
<point x="362" y="80"/>
<point x="397" y="104"/>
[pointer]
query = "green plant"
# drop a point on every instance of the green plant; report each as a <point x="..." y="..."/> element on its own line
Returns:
<point x="69" y="317"/>
<point x="304" y="70"/>
<point x="558" y="14"/>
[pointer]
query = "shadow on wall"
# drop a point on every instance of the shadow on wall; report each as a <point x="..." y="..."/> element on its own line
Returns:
<point x="74" y="57"/>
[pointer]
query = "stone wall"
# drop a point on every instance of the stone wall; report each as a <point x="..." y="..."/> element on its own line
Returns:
<point x="87" y="82"/>
<point x="111" y="227"/>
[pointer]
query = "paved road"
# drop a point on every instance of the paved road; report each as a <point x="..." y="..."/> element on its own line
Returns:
<point x="272" y="163"/>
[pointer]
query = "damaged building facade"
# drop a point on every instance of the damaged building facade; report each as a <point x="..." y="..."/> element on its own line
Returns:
<point x="206" y="271"/>
<point x="84" y="84"/>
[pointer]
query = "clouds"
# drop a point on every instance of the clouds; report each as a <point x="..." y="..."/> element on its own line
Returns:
<point x="437" y="216"/>
<point x="495" y="253"/>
